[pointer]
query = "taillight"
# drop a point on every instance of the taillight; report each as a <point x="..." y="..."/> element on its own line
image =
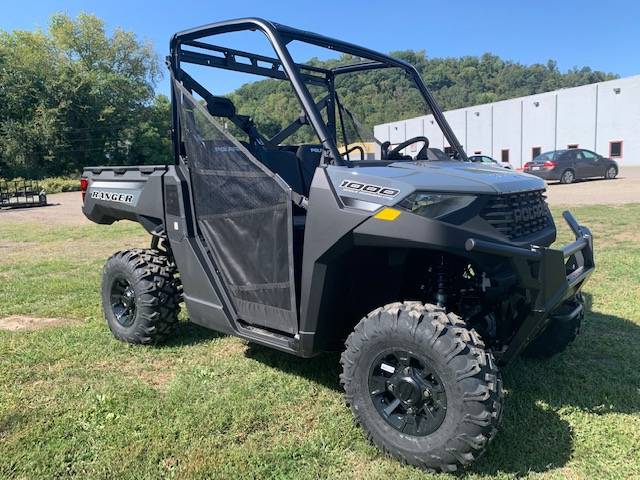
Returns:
<point x="84" y="184"/>
<point x="527" y="165"/>
<point x="550" y="164"/>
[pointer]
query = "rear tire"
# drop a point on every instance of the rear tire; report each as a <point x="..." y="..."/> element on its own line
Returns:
<point x="140" y="296"/>
<point x="611" y="173"/>
<point x="557" y="335"/>
<point x="567" y="177"/>
<point x="463" y="392"/>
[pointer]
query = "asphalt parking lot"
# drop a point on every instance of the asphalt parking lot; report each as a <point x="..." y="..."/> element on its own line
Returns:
<point x="65" y="207"/>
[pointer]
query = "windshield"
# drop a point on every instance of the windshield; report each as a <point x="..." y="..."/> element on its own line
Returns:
<point x="378" y="110"/>
<point x="369" y="106"/>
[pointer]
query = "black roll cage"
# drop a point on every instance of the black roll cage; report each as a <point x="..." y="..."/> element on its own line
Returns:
<point x="284" y="68"/>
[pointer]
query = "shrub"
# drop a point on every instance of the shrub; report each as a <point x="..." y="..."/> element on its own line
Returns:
<point x="60" y="184"/>
<point x="57" y="184"/>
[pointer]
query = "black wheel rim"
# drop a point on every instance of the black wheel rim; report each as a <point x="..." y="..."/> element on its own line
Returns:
<point x="407" y="392"/>
<point x="123" y="302"/>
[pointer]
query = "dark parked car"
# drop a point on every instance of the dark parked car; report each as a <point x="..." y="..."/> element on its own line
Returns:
<point x="566" y="166"/>
<point x="489" y="161"/>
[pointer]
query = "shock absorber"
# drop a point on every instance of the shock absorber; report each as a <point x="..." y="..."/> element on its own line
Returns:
<point x="441" y="283"/>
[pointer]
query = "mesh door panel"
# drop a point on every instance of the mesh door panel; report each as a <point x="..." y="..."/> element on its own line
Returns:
<point x="244" y="214"/>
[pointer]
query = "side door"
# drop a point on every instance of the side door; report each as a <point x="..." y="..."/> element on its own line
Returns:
<point x="593" y="165"/>
<point x="578" y="162"/>
<point x="243" y="216"/>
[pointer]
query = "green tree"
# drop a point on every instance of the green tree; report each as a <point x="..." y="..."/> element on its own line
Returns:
<point x="75" y="96"/>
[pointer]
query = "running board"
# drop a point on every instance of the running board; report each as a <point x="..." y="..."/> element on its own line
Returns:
<point x="269" y="338"/>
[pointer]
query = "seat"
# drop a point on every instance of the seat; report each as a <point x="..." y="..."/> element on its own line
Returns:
<point x="309" y="157"/>
<point x="285" y="164"/>
<point x="282" y="162"/>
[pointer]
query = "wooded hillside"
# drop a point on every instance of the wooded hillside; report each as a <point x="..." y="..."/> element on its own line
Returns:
<point x="380" y="96"/>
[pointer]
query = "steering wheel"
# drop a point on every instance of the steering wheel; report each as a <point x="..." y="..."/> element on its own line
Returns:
<point x="394" y="154"/>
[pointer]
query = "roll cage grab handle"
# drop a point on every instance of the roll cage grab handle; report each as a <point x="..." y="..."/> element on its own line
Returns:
<point x="278" y="36"/>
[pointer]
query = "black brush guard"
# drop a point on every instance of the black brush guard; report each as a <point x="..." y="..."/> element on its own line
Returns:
<point x="551" y="276"/>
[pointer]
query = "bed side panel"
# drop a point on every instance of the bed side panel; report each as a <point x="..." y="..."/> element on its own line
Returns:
<point x="125" y="193"/>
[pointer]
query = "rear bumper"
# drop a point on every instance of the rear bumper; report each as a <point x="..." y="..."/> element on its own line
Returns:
<point x="551" y="174"/>
<point x="550" y="275"/>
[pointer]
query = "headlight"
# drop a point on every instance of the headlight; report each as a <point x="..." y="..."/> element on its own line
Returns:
<point x="435" y="205"/>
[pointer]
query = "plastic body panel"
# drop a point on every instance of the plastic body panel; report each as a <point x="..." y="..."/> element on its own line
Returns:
<point x="125" y="193"/>
<point x="201" y="294"/>
<point x="327" y="235"/>
<point x="335" y="231"/>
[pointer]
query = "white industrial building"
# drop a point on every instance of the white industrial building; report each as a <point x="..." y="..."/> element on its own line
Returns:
<point x="603" y="117"/>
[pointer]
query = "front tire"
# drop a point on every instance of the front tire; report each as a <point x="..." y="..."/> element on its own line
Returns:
<point x="140" y="296"/>
<point x="422" y="386"/>
<point x="611" y="173"/>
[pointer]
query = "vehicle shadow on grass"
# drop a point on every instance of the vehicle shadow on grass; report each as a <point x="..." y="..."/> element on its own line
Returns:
<point x="188" y="333"/>
<point x="593" y="375"/>
<point x="323" y="369"/>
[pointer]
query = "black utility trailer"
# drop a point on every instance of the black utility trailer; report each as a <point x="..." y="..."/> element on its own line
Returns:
<point x="21" y="194"/>
<point x="428" y="273"/>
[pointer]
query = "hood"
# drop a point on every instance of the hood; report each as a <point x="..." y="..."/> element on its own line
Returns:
<point x="466" y="177"/>
<point x="403" y="178"/>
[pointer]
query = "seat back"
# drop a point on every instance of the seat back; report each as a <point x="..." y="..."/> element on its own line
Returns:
<point x="285" y="164"/>
<point x="309" y="157"/>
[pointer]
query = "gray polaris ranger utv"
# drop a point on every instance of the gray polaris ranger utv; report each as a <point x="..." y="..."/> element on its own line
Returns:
<point x="427" y="273"/>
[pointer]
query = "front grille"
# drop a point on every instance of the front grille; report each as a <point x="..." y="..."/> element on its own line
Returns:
<point x="517" y="215"/>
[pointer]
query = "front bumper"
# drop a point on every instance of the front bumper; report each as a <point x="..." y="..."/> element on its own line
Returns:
<point x="549" y="275"/>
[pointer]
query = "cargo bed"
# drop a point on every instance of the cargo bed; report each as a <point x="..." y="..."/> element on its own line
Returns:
<point x="124" y="193"/>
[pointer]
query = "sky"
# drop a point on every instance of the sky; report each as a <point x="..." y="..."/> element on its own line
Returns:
<point x="604" y="35"/>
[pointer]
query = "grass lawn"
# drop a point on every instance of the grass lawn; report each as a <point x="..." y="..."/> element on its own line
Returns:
<point x="74" y="402"/>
